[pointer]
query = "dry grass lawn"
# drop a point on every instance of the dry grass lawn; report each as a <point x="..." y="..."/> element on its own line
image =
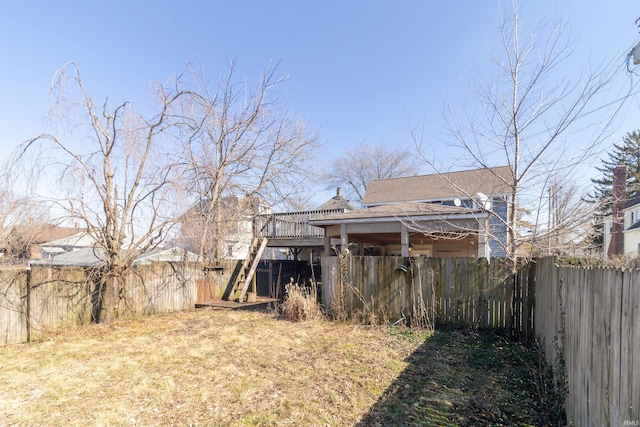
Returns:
<point x="219" y="367"/>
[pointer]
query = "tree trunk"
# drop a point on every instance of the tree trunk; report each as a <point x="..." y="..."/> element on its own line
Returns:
<point x="112" y="297"/>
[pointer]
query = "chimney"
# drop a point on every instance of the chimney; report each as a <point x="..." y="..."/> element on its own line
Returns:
<point x="616" y="246"/>
<point x="338" y="193"/>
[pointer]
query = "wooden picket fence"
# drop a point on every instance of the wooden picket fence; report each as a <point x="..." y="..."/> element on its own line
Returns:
<point x="41" y="300"/>
<point x="461" y="291"/>
<point x="587" y="320"/>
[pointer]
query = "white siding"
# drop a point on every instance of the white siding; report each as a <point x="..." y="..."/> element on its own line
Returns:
<point x="632" y="242"/>
<point x="631" y="216"/>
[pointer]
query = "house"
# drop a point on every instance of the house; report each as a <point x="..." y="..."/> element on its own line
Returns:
<point x="75" y="242"/>
<point x="337" y="202"/>
<point x="24" y="242"/>
<point x="225" y="232"/>
<point x="631" y="214"/>
<point x="622" y="227"/>
<point x="81" y="249"/>
<point x="94" y="256"/>
<point x="456" y="214"/>
<point x="625" y="240"/>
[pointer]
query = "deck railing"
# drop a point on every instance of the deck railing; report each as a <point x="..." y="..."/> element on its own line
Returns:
<point x="290" y="225"/>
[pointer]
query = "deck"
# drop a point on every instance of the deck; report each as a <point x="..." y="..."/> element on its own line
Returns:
<point x="260" y="303"/>
<point x="291" y="228"/>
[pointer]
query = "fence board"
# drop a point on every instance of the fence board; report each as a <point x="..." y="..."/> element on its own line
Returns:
<point x="614" y="367"/>
<point x="629" y="348"/>
<point x="633" y="337"/>
<point x="13" y="306"/>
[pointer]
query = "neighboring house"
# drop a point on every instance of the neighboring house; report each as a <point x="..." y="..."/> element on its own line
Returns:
<point x="81" y="249"/>
<point x="450" y="214"/>
<point x="337" y="202"/>
<point x="622" y="227"/>
<point x="25" y="241"/>
<point x="230" y="229"/>
<point x="630" y="227"/>
<point x="91" y="257"/>
<point x="75" y="242"/>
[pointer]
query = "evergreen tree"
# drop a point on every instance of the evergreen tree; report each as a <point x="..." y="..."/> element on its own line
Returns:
<point x="626" y="154"/>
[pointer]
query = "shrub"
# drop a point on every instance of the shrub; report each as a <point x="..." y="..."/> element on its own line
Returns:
<point x="301" y="303"/>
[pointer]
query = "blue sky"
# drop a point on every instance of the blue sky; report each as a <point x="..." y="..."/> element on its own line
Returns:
<point x="359" y="71"/>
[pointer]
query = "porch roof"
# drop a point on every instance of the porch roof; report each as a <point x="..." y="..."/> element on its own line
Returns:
<point x="414" y="211"/>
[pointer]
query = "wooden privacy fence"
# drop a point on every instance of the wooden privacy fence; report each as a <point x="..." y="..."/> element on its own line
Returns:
<point x="588" y="321"/>
<point x="35" y="302"/>
<point x="462" y="291"/>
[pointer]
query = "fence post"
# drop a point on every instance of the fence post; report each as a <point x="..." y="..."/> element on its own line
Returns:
<point x="510" y="285"/>
<point x="531" y="300"/>
<point x="27" y="313"/>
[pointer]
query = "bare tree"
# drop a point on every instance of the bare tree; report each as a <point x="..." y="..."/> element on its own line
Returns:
<point x="247" y="153"/>
<point x="569" y="222"/>
<point x="115" y="179"/>
<point x="527" y="117"/>
<point x="357" y="166"/>
<point x="22" y="216"/>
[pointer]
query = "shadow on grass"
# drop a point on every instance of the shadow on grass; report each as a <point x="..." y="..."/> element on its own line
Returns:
<point x="461" y="378"/>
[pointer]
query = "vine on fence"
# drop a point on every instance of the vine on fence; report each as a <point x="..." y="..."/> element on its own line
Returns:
<point x="550" y="379"/>
<point x="338" y="310"/>
<point x="421" y="316"/>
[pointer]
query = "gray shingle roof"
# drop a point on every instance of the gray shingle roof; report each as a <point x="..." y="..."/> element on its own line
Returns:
<point x="81" y="239"/>
<point x="440" y="186"/>
<point x="336" y="202"/>
<point x="85" y="257"/>
<point x="633" y="200"/>
<point x="89" y="257"/>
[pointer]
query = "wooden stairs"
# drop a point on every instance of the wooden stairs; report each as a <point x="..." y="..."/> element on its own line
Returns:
<point x="247" y="271"/>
